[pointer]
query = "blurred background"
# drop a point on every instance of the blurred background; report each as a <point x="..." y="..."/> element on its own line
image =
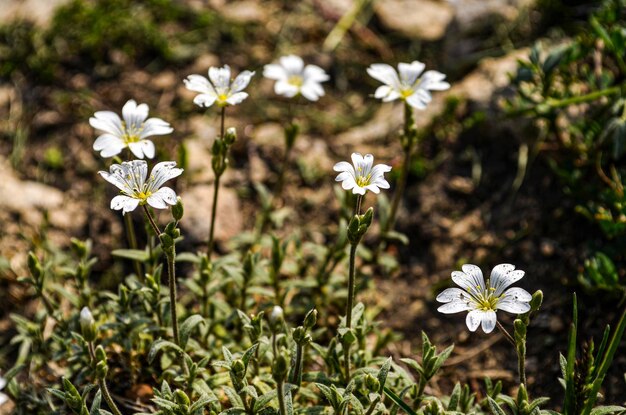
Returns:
<point x="521" y="161"/>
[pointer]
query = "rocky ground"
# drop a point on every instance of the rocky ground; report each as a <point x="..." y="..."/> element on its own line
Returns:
<point x="460" y="205"/>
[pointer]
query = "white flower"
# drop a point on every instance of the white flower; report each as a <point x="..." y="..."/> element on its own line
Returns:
<point x="293" y="78"/>
<point x="3" y="398"/>
<point x="483" y="300"/>
<point x="408" y="85"/>
<point x="137" y="188"/>
<point x="362" y="176"/>
<point x="131" y="132"/>
<point x="219" y="88"/>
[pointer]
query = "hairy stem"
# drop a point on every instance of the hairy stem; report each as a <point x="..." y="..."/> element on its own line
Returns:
<point x="102" y="383"/>
<point x="132" y="242"/>
<point x="216" y="188"/>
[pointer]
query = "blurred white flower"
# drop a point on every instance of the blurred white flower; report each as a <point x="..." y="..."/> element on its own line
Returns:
<point x="219" y="88"/>
<point x="293" y="77"/>
<point x="483" y="300"/>
<point x="3" y="398"/>
<point x="406" y="84"/>
<point x="131" y="132"/>
<point x="86" y="318"/>
<point x="362" y="176"/>
<point x="137" y="188"/>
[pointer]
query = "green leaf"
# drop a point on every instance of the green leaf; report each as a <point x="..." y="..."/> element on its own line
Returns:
<point x="495" y="408"/>
<point x="161" y="344"/>
<point x="95" y="405"/>
<point x="188" y="326"/>
<point x="383" y="372"/>
<point x="264" y="400"/>
<point x="605" y="410"/>
<point x="248" y="354"/>
<point x="454" y="397"/>
<point x="399" y="402"/>
<point x="134" y="254"/>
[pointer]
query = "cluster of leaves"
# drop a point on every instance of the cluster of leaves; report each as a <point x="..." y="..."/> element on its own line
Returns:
<point x="574" y="89"/>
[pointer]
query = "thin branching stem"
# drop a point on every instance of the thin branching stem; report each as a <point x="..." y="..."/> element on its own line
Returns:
<point x="216" y="188"/>
<point x="506" y="333"/>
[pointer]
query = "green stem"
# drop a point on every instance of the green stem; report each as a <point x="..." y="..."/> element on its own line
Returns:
<point x="216" y="188"/>
<point x="132" y="241"/>
<point x="406" y="165"/>
<point x="171" y="282"/>
<point x="521" y="367"/>
<point x="506" y="333"/>
<point x="283" y="170"/>
<point x="280" y="390"/>
<point x="351" y="285"/>
<point x="555" y="103"/>
<point x="372" y="406"/>
<point x="297" y="372"/>
<point x="102" y="383"/>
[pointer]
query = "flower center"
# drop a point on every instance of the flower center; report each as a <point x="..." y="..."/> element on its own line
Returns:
<point x="405" y="93"/>
<point x="484" y="300"/>
<point x="130" y="138"/>
<point x="295" y="80"/>
<point x="143" y="195"/>
<point x="363" y="181"/>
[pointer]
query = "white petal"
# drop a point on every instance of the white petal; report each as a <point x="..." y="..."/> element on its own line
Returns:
<point x="198" y="83"/>
<point x="433" y="80"/>
<point x="373" y="188"/>
<point x="416" y="101"/>
<point x="315" y="74"/>
<point x="344" y="166"/>
<point x="3" y="383"/>
<point x="161" y="198"/>
<point x="134" y="115"/>
<point x="409" y="72"/>
<point x="137" y="149"/>
<point x="109" y="145"/>
<point x="148" y="148"/>
<point x="130" y="205"/>
<point x="489" y="321"/>
<point x="205" y="100"/>
<point x="275" y="72"/>
<point x="118" y="202"/>
<point x="161" y="173"/>
<point x="475" y="273"/>
<point x="3" y="399"/>
<point x="382" y="91"/>
<point x="220" y="77"/>
<point x="344" y="176"/>
<point x="455" y="306"/>
<point x="155" y="126"/>
<point x="236" y="98"/>
<point x="357" y="160"/>
<point x="293" y="64"/>
<point x="515" y="300"/>
<point x="312" y="91"/>
<point x="451" y="294"/>
<point x="241" y="81"/>
<point x="392" y="95"/>
<point x="115" y="181"/>
<point x="385" y="74"/>
<point x="347" y="183"/>
<point x="502" y="276"/>
<point x="473" y="319"/>
<point x="107" y="121"/>
<point x="358" y="190"/>
<point x="286" y="89"/>
<point x="382" y="183"/>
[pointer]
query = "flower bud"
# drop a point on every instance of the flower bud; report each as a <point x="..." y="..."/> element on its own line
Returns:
<point x="87" y="324"/>
<point x="178" y="209"/>
<point x="372" y="383"/>
<point x="166" y="241"/>
<point x="311" y="319"/>
<point x="182" y="398"/>
<point x="230" y="136"/>
<point x="101" y="370"/>
<point x="291" y="133"/>
<point x="299" y="334"/>
<point x="101" y="355"/>
<point x="276" y="316"/>
<point x="239" y="368"/>
<point x="34" y="266"/>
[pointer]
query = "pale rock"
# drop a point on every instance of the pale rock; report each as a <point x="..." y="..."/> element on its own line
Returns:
<point x="198" y="202"/>
<point x="421" y="19"/>
<point x="246" y="11"/>
<point x="37" y="11"/>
